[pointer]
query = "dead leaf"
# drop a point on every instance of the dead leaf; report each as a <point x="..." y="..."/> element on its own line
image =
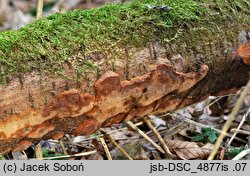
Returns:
<point x="174" y="130"/>
<point x="189" y="150"/>
<point x="211" y="121"/>
<point x="133" y="149"/>
<point x="246" y="127"/>
<point x="157" y="121"/>
<point x="118" y="135"/>
<point x="142" y="155"/>
<point x="247" y="100"/>
<point x="156" y="155"/>
<point x="222" y="154"/>
<point x="96" y="156"/>
<point x="19" y="156"/>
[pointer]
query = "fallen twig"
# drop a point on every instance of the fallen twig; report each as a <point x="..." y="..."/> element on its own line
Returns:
<point x="238" y="128"/>
<point x="240" y="131"/>
<point x="39" y="152"/>
<point x="119" y="147"/>
<point x="163" y="144"/>
<point x="69" y="156"/>
<point x="39" y="11"/>
<point x="145" y="136"/>
<point x="105" y="148"/>
<point x="63" y="148"/>
<point x="229" y="121"/>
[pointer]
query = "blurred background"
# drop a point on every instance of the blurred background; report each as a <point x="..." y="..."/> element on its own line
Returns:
<point x="17" y="13"/>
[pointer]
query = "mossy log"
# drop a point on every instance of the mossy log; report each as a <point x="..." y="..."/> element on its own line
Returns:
<point x="77" y="71"/>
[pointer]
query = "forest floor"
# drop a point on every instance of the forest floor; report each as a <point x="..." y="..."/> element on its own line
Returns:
<point x="188" y="133"/>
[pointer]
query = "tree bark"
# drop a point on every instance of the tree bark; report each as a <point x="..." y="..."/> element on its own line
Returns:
<point x="130" y="82"/>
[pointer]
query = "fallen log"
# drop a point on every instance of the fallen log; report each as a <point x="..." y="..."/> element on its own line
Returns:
<point x="75" y="72"/>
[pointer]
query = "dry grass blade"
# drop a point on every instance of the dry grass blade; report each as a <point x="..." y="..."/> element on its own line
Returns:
<point x="39" y="152"/>
<point x="240" y="131"/>
<point x="238" y="128"/>
<point x="189" y="150"/>
<point x="163" y="144"/>
<point x="145" y="136"/>
<point x="39" y="10"/>
<point x="63" y="147"/>
<point x="105" y="148"/>
<point x="242" y="154"/>
<point x="70" y="156"/>
<point x="119" y="147"/>
<point x="156" y="155"/>
<point x="230" y="120"/>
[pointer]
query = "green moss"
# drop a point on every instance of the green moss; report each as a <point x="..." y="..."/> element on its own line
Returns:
<point x="47" y="44"/>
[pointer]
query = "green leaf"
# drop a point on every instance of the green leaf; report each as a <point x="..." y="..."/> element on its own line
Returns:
<point x="207" y="135"/>
<point x="212" y="137"/>
<point x="210" y="134"/>
<point x="50" y="153"/>
<point x="198" y="138"/>
<point x="206" y="131"/>
<point x="233" y="152"/>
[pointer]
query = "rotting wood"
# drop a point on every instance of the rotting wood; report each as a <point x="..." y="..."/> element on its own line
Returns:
<point x="113" y="97"/>
<point x="37" y="105"/>
<point x="85" y="113"/>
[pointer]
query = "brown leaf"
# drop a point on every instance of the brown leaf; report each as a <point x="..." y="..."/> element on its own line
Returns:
<point x="118" y="135"/>
<point x="96" y="156"/>
<point x="189" y="150"/>
<point x="19" y="156"/>
<point x="222" y="154"/>
<point x="247" y="100"/>
<point x="246" y="127"/>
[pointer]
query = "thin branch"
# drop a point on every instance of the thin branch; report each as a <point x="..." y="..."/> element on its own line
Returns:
<point x="39" y="152"/>
<point x="24" y="153"/>
<point x="240" y="131"/>
<point x="105" y="148"/>
<point x="70" y="156"/>
<point x="219" y="98"/>
<point x="158" y="135"/>
<point x="238" y="128"/>
<point x="229" y="121"/>
<point x="119" y="147"/>
<point x="156" y="155"/>
<point x="63" y="148"/>
<point x="39" y="10"/>
<point x="145" y="136"/>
